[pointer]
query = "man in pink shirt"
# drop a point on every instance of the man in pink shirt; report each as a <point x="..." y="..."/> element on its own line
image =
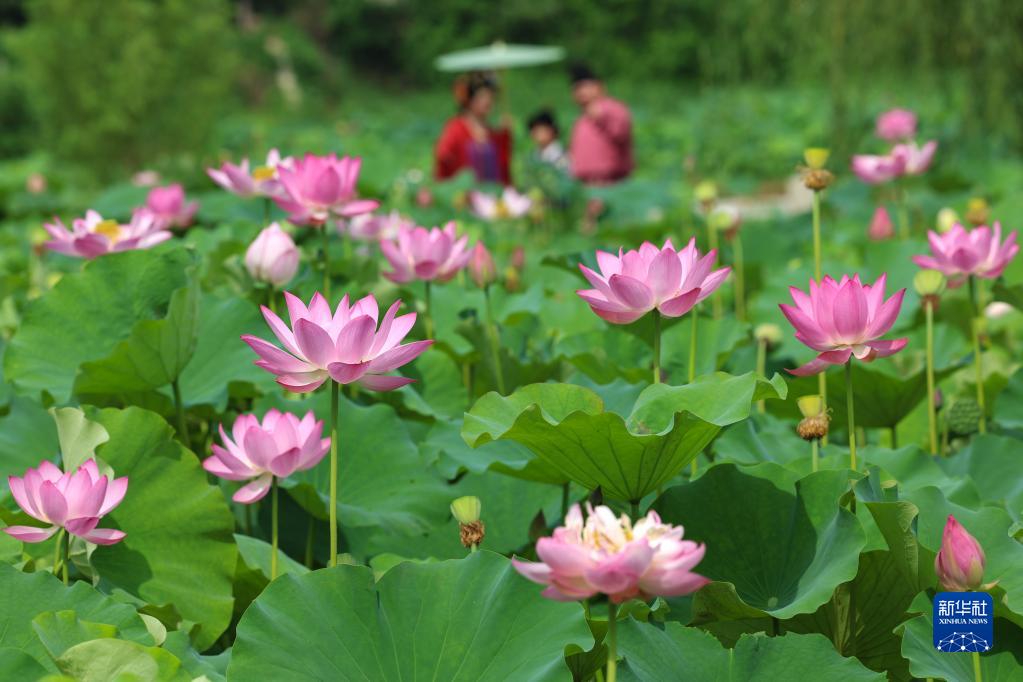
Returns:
<point x="601" y="146"/>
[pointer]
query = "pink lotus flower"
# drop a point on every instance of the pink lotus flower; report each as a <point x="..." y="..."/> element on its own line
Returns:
<point x="434" y="255"/>
<point x="481" y="266"/>
<point x="280" y="446"/>
<point x="167" y="207"/>
<point x="609" y="555"/>
<point x="914" y="159"/>
<point x="896" y="124"/>
<point x="73" y="501"/>
<point x="93" y="236"/>
<point x="370" y="227"/>
<point x="633" y="283"/>
<point x="842" y="320"/>
<point x="260" y="181"/>
<point x="346" y="346"/>
<point x="960" y="562"/>
<point x="318" y="187"/>
<point x="960" y="254"/>
<point x="272" y="257"/>
<point x="510" y="204"/>
<point x="875" y="170"/>
<point x="881" y="227"/>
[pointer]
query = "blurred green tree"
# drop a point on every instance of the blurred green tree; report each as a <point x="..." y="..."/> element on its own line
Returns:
<point x="116" y="84"/>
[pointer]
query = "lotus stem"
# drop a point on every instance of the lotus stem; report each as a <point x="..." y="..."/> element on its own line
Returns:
<point x="334" y="390"/>
<point x="902" y="211"/>
<point x="612" y="641"/>
<point x="657" y="346"/>
<point x="852" y="414"/>
<point x="815" y="456"/>
<point x="58" y="555"/>
<point x="326" y="261"/>
<point x="761" y="369"/>
<point x="932" y="416"/>
<point x="428" y="321"/>
<point x="692" y="345"/>
<point x="179" y="408"/>
<point x="740" y="278"/>
<point x="975" y="296"/>
<point x="822" y="382"/>
<point x="977" y="675"/>
<point x="274" y="527"/>
<point x="495" y="341"/>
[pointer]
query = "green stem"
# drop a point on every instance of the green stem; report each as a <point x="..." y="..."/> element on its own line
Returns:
<point x="975" y="298"/>
<point x="473" y="548"/>
<point x="657" y="346"/>
<point x="852" y="414"/>
<point x="57" y="553"/>
<point x="612" y="641"/>
<point x="326" y="261"/>
<point x="761" y="369"/>
<point x="692" y="345"/>
<point x="740" y="278"/>
<point x="179" y="408"/>
<point x="334" y="399"/>
<point x="822" y="389"/>
<point x="932" y="416"/>
<point x="428" y="321"/>
<point x="902" y="211"/>
<point x="977" y="675"/>
<point x="815" y="456"/>
<point x="67" y="557"/>
<point x="495" y="342"/>
<point x="822" y="384"/>
<point x="273" y="528"/>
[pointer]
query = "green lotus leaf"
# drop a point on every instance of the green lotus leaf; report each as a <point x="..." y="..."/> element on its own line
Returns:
<point x="469" y="619"/>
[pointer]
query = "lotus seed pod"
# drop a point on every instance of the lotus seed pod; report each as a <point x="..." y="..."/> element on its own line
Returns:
<point x="816" y="157"/>
<point x="929" y="283"/>
<point x="466" y="509"/>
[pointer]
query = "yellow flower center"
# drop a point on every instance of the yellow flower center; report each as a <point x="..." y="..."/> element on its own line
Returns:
<point x="263" y="173"/>
<point x="502" y="209"/>
<point x="109" y="229"/>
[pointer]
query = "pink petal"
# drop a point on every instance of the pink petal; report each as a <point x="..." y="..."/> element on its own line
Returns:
<point x="52" y="503"/>
<point x="399" y="356"/>
<point x="31" y="533"/>
<point x="104" y="536"/>
<point x="822" y="362"/>
<point x="680" y="305"/>
<point x="254" y="491"/>
<point x="355" y="340"/>
<point x="383" y="382"/>
<point x="346" y="373"/>
<point x="315" y="343"/>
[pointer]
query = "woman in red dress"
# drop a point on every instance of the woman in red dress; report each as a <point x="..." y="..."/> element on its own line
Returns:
<point x="468" y="141"/>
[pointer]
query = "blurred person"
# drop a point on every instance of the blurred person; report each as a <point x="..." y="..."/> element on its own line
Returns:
<point x="543" y="130"/>
<point x="601" y="145"/>
<point x="468" y="140"/>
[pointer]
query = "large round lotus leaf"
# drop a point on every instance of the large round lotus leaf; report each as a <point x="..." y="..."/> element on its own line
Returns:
<point x="774" y="546"/>
<point x="24" y="596"/>
<point x="676" y="652"/>
<point x="88" y="313"/>
<point x="1004" y="663"/>
<point x="179" y="547"/>
<point x="985" y="461"/>
<point x="469" y="619"/>
<point x="567" y="428"/>
<point x="499" y="56"/>
<point x="116" y="659"/>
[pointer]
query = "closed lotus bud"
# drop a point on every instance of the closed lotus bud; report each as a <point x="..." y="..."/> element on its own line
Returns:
<point x="467" y="511"/>
<point x="977" y="212"/>
<point x="947" y="217"/>
<point x="815" y="422"/>
<point x="960" y="562"/>
<point x="881" y="227"/>
<point x="816" y="157"/>
<point x="481" y="266"/>
<point x="939" y="399"/>
<point x="929" y="283"/>
<point x="518" y="258"/>
<point x="768" y="333"/>
<point x="272" y="257"/>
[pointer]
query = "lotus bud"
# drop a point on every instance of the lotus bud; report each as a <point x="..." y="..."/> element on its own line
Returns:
<point x="481" y="266"/>
<point x="272" y="257"/>
<point x="881" y="227"/>
<point x="518" y="258"/>
<point x="815" y="422"/>
<point x="960" y="562"/>
<point x="939" y="399"/>
<point x="947" y="217"/>
<point x="768" y="333"/>
<point x="512" y="281"/>
<point x="35" y="183"/>
<point x="706" y="192"/>
<point x="929" y="284"/>
<point x="977" y="211"/>
<point x="816" y="157"/>
<point x="467" y="511"/>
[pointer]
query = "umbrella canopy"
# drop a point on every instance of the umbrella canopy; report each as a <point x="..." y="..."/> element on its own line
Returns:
<point x="499" y="56"/>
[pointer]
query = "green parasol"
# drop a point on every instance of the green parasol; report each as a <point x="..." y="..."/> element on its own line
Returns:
<point x="499" y="56"/>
